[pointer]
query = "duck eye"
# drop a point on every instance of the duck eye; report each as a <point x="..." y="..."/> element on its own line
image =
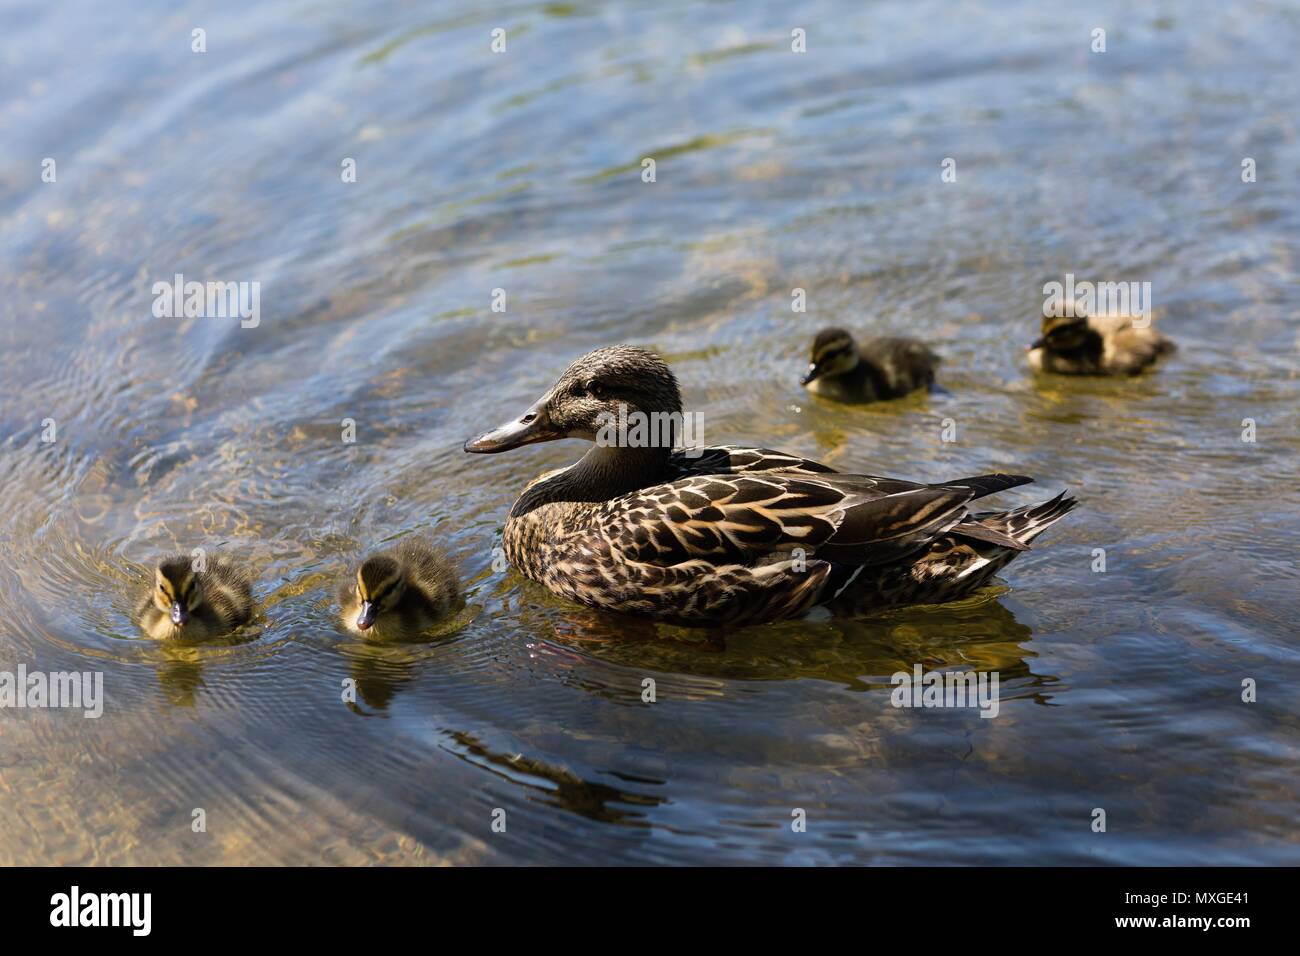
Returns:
<point x="595" y="389"/>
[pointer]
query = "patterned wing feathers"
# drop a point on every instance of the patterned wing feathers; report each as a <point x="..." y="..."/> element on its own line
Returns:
<point x="736" y="519"/>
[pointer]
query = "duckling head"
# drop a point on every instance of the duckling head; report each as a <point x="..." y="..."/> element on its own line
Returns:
<point x="380" y="585"/>
<point x="598" y="390"/>
<point x="1062" y="333"/>
<point x="833" y="353"/>
<point x="177" y="591"/>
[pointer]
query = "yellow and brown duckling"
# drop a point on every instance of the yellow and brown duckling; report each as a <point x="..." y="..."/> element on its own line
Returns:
<point x="400" y="592"/>
<point x="1097" y="345"/>
<point x="192" y="600"/>
<point x="727" y="535"/>
<point x="871" y="371"/>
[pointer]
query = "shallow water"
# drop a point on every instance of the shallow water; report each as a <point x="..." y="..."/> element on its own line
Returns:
<point x="521" y="171"/>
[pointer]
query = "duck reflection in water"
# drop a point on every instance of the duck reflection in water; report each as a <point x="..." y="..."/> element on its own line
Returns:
<point x="980" y="634"/>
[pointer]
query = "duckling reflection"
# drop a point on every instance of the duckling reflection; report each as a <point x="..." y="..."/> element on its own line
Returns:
<point x="180" y="664"/>
<point x="399" y="593"/>
<point x="181" y="681"/>
<point x="568" y="791"/>
<point x="195" y="602"/>
<point x="379" y="672"/>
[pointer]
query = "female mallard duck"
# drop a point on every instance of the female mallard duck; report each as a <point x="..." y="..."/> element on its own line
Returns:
<point x="1096" y="345"/>
<point x="190" y="603"/>
<point x="733" y="535"/>
<point x="400" y="592"/>
<point x="877" y="369"/>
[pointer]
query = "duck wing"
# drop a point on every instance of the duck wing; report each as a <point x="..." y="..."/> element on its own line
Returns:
<point x="743" y="518"/>
<point x="736" y="460"/>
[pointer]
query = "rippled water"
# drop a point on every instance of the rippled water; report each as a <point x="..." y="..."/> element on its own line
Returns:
<point x="521" y="171"/>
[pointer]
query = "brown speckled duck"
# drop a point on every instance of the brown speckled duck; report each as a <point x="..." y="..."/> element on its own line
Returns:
<point x="730" y="535"/>
<point x="399" y="593"/>
<point x="1097" y="345"/>
<point x="870" y="371"/>
<point x="190" y="603"/>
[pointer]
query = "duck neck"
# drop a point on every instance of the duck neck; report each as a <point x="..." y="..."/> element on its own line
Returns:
<point x="604" y="472"/>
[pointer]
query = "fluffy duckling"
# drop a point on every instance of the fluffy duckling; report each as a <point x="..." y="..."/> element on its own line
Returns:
<point x="184" y="602"/>
<point x="1096" y="345"/>
<point x="878" y="368"/>
<point x="399" y="592"/>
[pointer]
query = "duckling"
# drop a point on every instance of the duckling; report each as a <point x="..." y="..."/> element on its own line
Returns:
<point x="184" y="602"/>
<point x="399" y="592"/>
<point x="879" y="368"/>
<point x="1096" y="345"/>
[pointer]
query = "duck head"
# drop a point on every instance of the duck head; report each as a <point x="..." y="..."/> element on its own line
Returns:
<point x="591" y="395"/>
<point x="177" y="591"/>
<point x="1062" y="333"/>
<point x="833" y="353"/>
<point x="380" y="585"/>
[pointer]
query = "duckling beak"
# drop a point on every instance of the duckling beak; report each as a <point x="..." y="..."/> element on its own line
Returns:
<point x="180" y="614"/>
<point x="367" y="616"/>
<point x="814" y="372"/>
<point x="530" y="428"/>
<point x="1040" y="343"/>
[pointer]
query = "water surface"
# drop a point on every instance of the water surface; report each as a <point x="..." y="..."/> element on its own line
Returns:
<point x="521" y="171"/>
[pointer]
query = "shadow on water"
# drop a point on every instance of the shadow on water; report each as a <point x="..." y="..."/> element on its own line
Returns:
<point x="557" y="786"/>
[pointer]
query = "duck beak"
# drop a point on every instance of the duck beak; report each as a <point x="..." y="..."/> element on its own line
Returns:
<point x="180" y="613"/>
<point x="367" y="616"/>
<point x="814" y="372"/>
<point x="531" y="427"/>
<point x="1039" y="343"/>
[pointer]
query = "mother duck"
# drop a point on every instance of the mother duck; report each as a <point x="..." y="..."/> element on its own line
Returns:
<point x="727" y="535"/>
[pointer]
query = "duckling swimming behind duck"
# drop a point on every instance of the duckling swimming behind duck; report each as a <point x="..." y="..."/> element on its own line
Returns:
<point x="878" y="368"/>
<point x="1096" y="345"/>
<point x="399" y="592"/>
<point x="190" y="603"/>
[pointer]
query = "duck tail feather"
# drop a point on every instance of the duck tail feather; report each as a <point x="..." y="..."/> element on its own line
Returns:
<point x="983" y="532"/>
<point x="1026" y="524"/>
<point x="983" y="485"/>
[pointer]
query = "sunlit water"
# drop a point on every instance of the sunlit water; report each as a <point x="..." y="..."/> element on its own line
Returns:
<point x="522" y="171"/>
